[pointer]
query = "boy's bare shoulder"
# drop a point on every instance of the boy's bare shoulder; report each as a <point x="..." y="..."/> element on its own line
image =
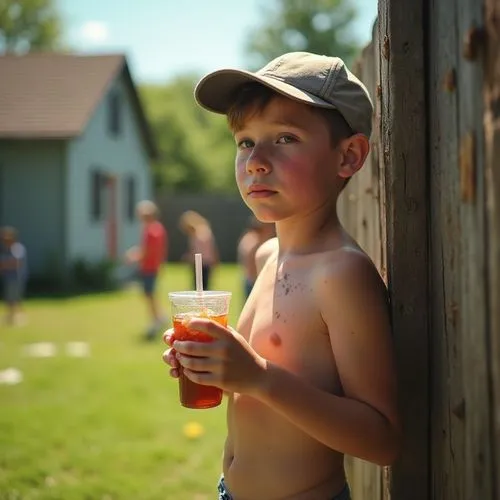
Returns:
<point x="350" y="275"/>
<point x="265" y="250"/>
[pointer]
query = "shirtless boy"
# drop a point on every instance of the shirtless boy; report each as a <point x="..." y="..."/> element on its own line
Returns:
<point x="256" y="234"/>
<point x="309" y="369"/>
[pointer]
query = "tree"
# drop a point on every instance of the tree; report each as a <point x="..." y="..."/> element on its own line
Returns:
<point x="196" y="150"/>
<point x="320" y="26"/>
<point x="27" y="25"/>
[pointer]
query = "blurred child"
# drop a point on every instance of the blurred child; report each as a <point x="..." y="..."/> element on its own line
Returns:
<point x="14" y="272"/>
<point x="200" y="240"/>
<point x="149" y="256"/>
<point x="257" y="233"/>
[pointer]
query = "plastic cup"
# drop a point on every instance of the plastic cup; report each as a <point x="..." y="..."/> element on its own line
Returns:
<point x="185" y="306"/>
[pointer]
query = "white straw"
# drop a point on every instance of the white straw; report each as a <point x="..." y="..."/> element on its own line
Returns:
<point x="198" y="271"/>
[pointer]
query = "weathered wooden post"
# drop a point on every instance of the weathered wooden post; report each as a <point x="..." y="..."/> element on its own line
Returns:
<point x="447" y="437"/>
<point x="437" y="189"/>
<point x="404" y="162"/>
<point x="492" y="156"/>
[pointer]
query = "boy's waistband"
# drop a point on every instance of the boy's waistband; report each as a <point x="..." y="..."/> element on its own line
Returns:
<point x="224" y="494"/>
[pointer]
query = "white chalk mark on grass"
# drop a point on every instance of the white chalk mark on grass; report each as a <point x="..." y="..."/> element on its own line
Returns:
<point x="78" y="349"/>
<point x="75" y="349"/>
<point x="11" y="376"/>
<point x="40" y="350"/>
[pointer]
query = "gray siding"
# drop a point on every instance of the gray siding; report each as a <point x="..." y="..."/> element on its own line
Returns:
<point x="31" y="197"/>
<point x="122" y="156"/>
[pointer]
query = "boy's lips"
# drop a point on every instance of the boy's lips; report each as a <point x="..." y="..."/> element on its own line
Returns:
<point x="260" y="191"/>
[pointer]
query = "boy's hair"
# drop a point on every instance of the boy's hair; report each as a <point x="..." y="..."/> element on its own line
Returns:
<point x="8" y="231"/>
<point x="252" y="98"/>
<point x="147" y="208"/>
<point x="191" y="220"/>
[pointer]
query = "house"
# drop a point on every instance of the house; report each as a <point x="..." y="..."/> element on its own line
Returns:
<point x="75" y="152"/>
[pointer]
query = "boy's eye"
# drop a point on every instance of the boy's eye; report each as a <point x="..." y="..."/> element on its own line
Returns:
<point x="245" y="143"/>
<point x="286" y="139"/>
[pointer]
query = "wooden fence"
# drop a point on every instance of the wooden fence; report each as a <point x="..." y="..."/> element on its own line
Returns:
<point x="426" y="208"/>
<point x="361" y="208"/>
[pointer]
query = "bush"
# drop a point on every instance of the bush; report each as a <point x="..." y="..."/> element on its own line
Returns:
<point x="81" y="277"/>
<point x="51" y="280"/>
<point x="93" y="276"/>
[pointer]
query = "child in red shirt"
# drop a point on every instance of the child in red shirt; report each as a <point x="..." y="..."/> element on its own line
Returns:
<point x="150" y="256"/>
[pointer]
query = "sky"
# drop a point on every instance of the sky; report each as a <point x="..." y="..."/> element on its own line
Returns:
<point x="165" y="38"/>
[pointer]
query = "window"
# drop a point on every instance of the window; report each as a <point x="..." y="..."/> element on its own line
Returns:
<point x="130" y="198"/>
<point x="115" y="114"/>
<point x="96" y="190"/>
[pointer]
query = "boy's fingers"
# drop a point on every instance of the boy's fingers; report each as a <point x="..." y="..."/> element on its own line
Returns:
<point x="169" y="358"/>
<point x="167" y="336"/>
<point x="198" y="364"/>
<point x="201" y="378"/>
<point x="174" y="372"/>
<point x="214" y="349"/>
<point x="209" y="326"/>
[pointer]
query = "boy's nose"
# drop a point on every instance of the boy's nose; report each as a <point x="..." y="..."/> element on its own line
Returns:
<point x="258" y="163"/>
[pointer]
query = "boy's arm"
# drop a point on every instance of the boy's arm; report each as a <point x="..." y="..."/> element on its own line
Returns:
<point x="216" y="251"/>
<point x="14" y="261"/>
<point x="133" y="255"/>
<point x="165" y="246"/>
<point x="9" y="263"/>
<point x="364" y="422"/>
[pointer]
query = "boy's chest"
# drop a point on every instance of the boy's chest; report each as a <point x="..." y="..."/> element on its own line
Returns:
<point x="282" y="322"/>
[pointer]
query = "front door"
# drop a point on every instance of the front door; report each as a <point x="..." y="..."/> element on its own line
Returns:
<point x="111" y="226"/>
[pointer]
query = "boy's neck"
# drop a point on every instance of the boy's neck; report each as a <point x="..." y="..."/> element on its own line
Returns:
<point x="306" y="234"/>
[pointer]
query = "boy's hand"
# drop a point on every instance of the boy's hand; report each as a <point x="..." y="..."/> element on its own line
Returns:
<point x="228" y="362"/>
<point x="132" y="255"/>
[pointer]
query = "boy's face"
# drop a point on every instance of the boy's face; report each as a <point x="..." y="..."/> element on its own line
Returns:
<point x="8" y="239"/>
<point x="286" y="164"/>
<point x="143" y="217"/>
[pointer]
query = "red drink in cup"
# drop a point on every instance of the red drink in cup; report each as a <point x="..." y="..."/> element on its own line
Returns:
<point x="187" y="305"/>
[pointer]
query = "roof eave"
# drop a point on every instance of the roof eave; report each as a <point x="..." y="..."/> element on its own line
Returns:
<point x="32" y="135"/>
<point x="146" y="131"/>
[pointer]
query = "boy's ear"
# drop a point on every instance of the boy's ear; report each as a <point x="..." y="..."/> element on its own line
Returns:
<point x="354" y="150"/>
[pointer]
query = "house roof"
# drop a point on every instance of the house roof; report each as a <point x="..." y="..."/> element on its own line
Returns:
<point x="53" y="95"/>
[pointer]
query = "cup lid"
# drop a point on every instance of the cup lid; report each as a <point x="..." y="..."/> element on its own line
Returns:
<point x="193" y="294"/>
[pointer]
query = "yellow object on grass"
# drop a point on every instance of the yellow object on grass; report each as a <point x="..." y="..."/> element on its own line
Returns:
<point x="193" y="430"/>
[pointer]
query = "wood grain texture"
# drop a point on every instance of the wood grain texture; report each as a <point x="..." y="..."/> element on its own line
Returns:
<point x="360" y="210"/>
<point x="491" y="97"/>
<point x="447" y="393"/>
<point x="474" y="303"/>
<point x="403" y="138"/>
<point x="437" y="94"/>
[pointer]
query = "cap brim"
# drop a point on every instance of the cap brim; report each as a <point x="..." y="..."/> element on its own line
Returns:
<point x="216" y="91"/>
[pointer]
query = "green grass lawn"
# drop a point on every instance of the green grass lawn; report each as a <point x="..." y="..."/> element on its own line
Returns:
<point x="108" y="426"/>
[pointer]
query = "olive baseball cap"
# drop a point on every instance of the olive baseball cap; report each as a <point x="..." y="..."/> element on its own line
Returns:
<point x="312" y="79"/>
